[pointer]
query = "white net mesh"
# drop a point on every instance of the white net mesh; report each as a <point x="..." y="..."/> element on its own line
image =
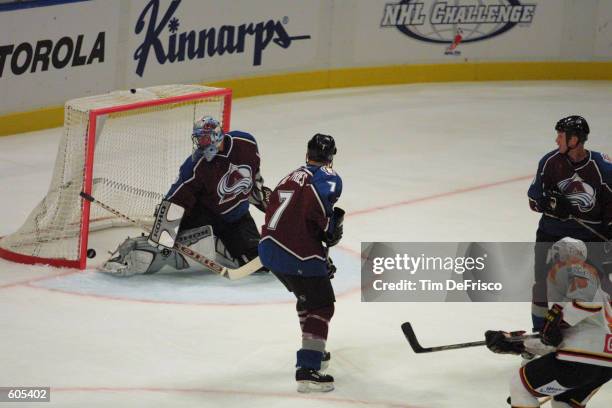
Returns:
<point x="136" y="159"/>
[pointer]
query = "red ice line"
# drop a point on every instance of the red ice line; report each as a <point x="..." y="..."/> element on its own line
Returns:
<point x="28" y="282"/>
<point x="294" y="396"/>
<point x="436" y="196"/>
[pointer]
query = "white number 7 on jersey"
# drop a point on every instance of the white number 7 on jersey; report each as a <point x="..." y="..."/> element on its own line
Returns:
<point x="284" y="198"/>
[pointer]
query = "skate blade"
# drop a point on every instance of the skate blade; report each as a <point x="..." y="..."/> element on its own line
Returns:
<point x="313" y="386"/>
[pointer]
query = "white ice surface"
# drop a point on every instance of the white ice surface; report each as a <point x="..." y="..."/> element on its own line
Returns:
<point x="436" y="162"/>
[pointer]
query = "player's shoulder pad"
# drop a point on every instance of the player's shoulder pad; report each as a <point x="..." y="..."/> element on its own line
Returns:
<point x="242" y="136"/>
<point x="604" y="164"/>
<point x="546" y="158"/>
<point x="324" y="174"/>
<point x="188" y="166"/>
<point x="328" y="185"/>
<point x="186" y="171"/>
<point x="583" y="270"/>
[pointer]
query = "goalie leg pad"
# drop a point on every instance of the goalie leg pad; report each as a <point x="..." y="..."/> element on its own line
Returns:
<point x="194" y="235"/>
<point x="200" y="240"/>
<point x="136" y="256"/>
<point x="203" y="241"/>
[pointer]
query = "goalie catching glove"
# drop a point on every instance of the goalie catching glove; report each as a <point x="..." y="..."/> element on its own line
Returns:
<point x="168" y="218"/>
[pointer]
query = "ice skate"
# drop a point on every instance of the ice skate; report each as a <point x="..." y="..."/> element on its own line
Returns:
<point x="313" y="381"/>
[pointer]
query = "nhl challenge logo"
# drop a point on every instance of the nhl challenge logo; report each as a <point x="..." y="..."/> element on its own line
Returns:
<point x="460" y="22"/>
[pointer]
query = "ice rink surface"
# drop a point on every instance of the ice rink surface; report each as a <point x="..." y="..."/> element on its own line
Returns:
<point x="435" y="162"/>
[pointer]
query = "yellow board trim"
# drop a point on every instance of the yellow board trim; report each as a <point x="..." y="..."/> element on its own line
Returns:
<point x="31" y="120"/>
<point x="352" y="77"/>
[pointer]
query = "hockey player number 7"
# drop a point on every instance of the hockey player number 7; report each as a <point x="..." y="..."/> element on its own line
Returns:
<point x="284" y="198"/>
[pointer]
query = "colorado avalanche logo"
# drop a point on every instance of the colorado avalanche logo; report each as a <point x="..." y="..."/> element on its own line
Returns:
<point x="579" y="193"/>
<point x="238" y="180"/>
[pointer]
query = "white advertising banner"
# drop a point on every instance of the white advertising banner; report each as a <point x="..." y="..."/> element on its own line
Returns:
<point x="417" y="31"/>
<point x="603" y="30"/>
<point x="195" y="40"/>
<point x="54" y="53"/>
<point x="82" y="47"/>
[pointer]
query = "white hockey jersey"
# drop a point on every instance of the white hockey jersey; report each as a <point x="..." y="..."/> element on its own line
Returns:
<point x="574" y="285"/>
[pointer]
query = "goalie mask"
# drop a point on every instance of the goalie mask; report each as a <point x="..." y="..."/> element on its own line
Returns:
<point x="207" y="137"/>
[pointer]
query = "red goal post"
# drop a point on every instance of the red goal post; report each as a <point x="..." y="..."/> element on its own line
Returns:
<point x="124" y="148"/>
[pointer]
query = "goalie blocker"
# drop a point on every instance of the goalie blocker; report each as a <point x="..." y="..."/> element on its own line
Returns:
<point x="168" y="218"/>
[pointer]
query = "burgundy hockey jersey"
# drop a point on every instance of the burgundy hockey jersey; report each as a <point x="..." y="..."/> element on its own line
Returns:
<point x="587" y="186"/>
<point x="223" y="185"/>
<point x="299" y="213"/>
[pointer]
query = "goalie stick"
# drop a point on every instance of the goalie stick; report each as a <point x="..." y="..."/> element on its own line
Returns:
<point x="414" y="343"/>
<point x="231" y="274"/>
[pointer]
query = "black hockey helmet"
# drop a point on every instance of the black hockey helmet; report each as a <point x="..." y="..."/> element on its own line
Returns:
<point x="574" y="126"/>
<point x="321" y="148"/>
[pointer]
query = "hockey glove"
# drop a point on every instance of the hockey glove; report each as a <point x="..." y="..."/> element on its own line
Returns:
<point x="331" y="268"/>
<point x="266" y="193"/>
<point x="260" y="198"/>
<point x="260" y="195"/>
<point x="552" y="334"/>
<point x="557" y="204"/>
<point x="335" y="236"/>
<point x="499" y="342"/>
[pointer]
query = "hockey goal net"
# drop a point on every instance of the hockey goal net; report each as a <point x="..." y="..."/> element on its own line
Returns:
<point x="125" y="149"/>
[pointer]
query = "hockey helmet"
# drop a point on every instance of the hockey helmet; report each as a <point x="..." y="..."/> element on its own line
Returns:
<point x="207" y="136"/>
<point x="321" y="148"/>
<point x="574" y="126"/>
<point x="567" y="248"/>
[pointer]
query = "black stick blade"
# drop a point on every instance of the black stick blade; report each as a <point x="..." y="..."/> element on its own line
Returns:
<point x="411" y="337"/>
<point x="414" y="343"/>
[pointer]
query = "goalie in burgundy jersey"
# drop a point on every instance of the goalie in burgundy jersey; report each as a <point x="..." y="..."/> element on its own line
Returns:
<point x="300" y="219"/>
<point x="207" y="208"/>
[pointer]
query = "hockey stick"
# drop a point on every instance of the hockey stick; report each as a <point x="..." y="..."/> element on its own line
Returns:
<point x="607" y="242"/>
<point x="582" y="223"/>
<point x="414" y="343"/>
<point x="220" y="270"/>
